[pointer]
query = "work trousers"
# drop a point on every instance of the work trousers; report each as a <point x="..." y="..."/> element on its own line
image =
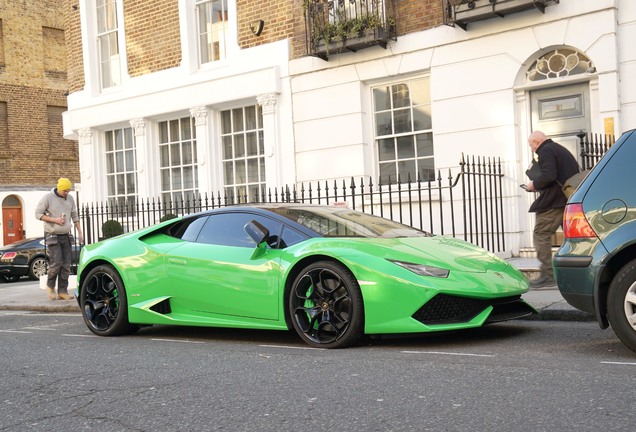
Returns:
<point x="59" y="262"/>
<point x="545" y="226"/>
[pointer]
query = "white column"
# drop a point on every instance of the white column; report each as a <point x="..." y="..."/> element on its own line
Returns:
<point x="89" y="186"/>
<point x="273" y="176"/>
<point x="143" y="159"/>
<point x="204" y="144"/>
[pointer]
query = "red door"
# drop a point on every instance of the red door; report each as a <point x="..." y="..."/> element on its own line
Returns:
<point x="11" y="225"/>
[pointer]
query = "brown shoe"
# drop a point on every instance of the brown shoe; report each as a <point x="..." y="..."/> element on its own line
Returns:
<point x="51" y="292"/>
<point x="64" y="296"/>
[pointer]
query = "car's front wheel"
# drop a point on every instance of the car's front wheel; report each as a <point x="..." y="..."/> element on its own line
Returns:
<point x="103" y="302"/>
<point x="38" y="267"/>
<point x="621" y="305"/>
<point x="325" y="305"/>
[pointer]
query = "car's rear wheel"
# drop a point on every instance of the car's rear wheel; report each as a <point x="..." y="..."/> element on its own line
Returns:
<point x="10" y="278"/>
<point x="103" y="302"/>
<point x="325" y="305"/>
<point x="621" y="305"/>
<point x="38" y="267"/>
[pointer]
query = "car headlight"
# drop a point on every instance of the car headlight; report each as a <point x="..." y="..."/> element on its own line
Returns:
<point x="423" y="270"/>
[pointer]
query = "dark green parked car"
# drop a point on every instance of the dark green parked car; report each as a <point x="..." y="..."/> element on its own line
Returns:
<point x="595" y="268"/>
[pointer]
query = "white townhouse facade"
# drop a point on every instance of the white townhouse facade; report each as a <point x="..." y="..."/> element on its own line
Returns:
<point x="234" y="115"/>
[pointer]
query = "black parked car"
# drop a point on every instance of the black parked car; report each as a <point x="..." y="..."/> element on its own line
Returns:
<point x="27" y="258"/>
<point x="595" y="268"/>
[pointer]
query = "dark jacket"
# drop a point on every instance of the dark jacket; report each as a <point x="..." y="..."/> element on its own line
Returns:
<point x="557" y="165"/>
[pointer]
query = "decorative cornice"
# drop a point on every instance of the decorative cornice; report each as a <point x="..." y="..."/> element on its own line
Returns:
<point x="139" y="126"/>
<point x="200" y="115"/>
<point x="85" y="135"/>
<point x="268" y="102"/>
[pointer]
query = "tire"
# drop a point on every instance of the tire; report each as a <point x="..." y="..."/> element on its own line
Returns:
<point x="325" y="306"/>
<point x="10" y="278"/>
<point x="39" y="267"/>
<point x="103" y="302"/>
<point x="621" y="305"/>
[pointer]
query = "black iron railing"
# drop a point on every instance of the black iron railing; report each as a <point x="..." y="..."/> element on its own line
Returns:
<point x="593" y="147"/>
<point x="464" y="12"/>
<point x="465" y="202"/>
<point x="336" y="26"/>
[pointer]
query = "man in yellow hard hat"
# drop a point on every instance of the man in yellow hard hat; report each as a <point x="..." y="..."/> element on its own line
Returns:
<point x="58" y="211"/>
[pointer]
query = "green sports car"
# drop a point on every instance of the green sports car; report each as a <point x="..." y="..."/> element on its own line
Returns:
<point x="332" y="274"/>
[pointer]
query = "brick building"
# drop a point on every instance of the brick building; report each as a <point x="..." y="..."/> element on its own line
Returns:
<point x="173" y="98"/>
<point x="33" y="87"/>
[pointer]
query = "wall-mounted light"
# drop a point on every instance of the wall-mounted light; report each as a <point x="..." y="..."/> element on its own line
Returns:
<point x="257" y="27"/>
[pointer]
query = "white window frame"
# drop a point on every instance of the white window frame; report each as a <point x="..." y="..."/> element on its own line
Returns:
<point x="175" y="190"/>
<point x="190" y="36"/>
<point x="107" y="36"/>
<point x="91" y="53"/>
<point x="215" y="30"/>
<point x="400" y="162"/>
<point x="238" y="183"/>
<point x="121" y="172"/>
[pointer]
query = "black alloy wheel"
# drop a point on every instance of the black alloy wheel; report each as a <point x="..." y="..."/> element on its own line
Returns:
<point x="103" y="302"/>
<point x="325" y="305"/>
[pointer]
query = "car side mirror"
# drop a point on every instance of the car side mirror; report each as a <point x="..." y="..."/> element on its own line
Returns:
<point x="257" y="232"/>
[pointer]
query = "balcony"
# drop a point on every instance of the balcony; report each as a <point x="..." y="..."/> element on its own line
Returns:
<point x="338" y="26"/>
<point x="463" y="12"/>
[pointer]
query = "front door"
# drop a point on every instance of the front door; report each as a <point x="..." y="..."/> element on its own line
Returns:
<point x="11" y="225"/>
<point x="561" y="113"/>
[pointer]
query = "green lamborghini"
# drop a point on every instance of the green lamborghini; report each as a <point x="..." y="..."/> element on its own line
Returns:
<point x="331" y="274"/>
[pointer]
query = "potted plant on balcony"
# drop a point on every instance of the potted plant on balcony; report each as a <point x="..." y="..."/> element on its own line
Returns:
<point x="341" y="32"/>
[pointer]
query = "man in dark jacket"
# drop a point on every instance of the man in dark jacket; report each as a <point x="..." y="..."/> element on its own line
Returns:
<point x="557" y="165"/>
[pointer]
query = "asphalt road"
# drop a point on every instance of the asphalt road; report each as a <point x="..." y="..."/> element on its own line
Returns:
<point x="525" y="375"/>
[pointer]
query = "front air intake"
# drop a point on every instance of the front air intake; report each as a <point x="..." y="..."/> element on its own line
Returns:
<point x="450" y="309"/>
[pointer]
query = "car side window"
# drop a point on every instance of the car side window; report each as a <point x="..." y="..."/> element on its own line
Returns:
<point x="290" y="237"/>
<point x="228" y="229"/>
<point x="188" y="229"/>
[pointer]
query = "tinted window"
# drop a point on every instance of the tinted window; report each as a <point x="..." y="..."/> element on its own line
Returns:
<point x="228" y="229"/>
<point x="188" y="229"/>
<point x="291" y="237"/>
<point x="342" y="222"/>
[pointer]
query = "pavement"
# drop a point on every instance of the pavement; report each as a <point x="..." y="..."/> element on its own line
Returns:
<point x="26" y="295"/>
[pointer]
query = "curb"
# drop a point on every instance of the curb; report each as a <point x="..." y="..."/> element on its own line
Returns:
<point x="47" y="309"/>
<point x="560" y="315"/>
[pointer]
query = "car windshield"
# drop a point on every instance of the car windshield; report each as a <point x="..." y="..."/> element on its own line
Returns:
<point x="341" y="222"/>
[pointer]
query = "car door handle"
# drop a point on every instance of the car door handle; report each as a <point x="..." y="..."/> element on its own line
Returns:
<point x="177" y="261"/>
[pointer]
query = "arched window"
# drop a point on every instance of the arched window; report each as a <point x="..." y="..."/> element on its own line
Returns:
<point x="559" y="63"/>
<point x="11" y="201"/>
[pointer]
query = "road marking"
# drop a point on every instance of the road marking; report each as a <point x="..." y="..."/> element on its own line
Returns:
<point x="80" y="335"/>
<point x="15" y="331"/>
<point x="619" y="363"/>
<point x="448" y="353"/>
<point x="292" y="347"/>
<point x="176" y="340"/>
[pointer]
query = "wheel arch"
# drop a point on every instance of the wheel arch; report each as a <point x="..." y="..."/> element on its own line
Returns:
<point x="612" y="267"/>
<point x="36" y="256"/>
<point x="295" y="271"/>
<point x="90" y="266"/>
